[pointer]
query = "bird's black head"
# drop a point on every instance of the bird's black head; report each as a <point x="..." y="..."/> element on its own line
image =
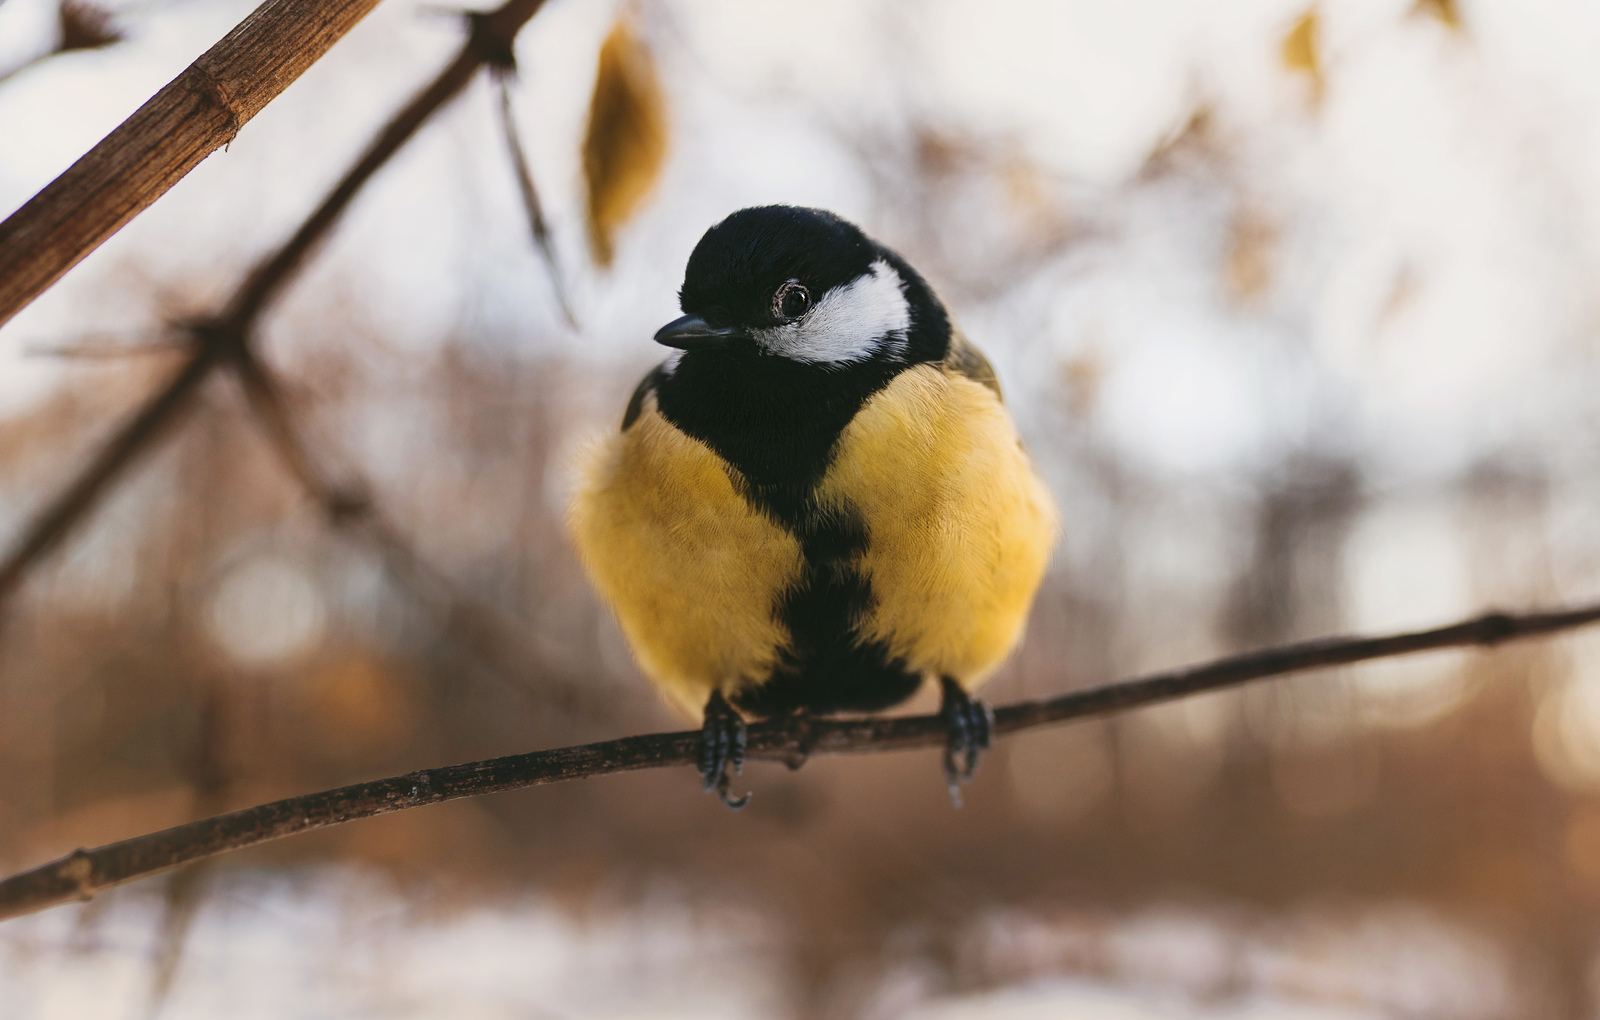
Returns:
<point x="807" y="286"/>
<point x="794" y="319"/>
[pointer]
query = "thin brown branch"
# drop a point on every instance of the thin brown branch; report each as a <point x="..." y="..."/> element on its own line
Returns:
<point x="186" y="890"/>
<point x="197" y="113"/>
<point x="490" y="42"/>
<point x="530" y="195"/>
<point x="84" y="492"/>
<point x="106" y="347"/>
<point x="478" y="628"/>
<point x="790" y="740"/>
<point x="266" y="401"/>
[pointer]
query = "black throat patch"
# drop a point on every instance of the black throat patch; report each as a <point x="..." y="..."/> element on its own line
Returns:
<point x="776" y="421"/>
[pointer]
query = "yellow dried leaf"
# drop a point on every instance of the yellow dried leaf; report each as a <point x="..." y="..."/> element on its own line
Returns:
<point x="1248" y="271"/>
<point x="1447" y="11"/>
<point x="1300" y="48"/>
<point x="626" y="143"/>
<point x="1196" y="138"/>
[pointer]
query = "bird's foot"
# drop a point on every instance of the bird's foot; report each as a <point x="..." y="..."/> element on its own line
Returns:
<point x="968" y="725"/>
<point x="721" y="745"/>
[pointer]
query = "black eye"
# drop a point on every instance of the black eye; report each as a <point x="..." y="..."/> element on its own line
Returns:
<point x="791" y="301"/>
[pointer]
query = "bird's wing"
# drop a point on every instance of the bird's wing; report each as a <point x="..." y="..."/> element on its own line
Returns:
<point x="636" y="402"/>
<point x="965" y="359"/>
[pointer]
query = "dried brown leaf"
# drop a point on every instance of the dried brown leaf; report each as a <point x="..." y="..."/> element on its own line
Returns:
<point x="1447" y="11"/>
<point x="626" y="143"/>
<point x="85" y="27"/>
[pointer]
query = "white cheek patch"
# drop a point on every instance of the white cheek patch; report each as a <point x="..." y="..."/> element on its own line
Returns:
<point x="852" y="323"/>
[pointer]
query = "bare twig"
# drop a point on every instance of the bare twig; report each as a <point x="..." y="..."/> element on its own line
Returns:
<point x="490" y="41"/>
<point x="106" y="347"/>
<point x="790" y="740"/>
<point x="47" y="530"/>
<point x="530" y="195"/>
<point x="272" y="274"/>
<point x="479" y="628"/>
<point x="186" y="889"/>
<point x="341" y="503"/>
<point x="196" y="113"/>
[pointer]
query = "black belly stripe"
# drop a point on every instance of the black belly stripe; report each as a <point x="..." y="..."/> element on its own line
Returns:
<point x="776" y="423"/>
<point x="826" y="669"/>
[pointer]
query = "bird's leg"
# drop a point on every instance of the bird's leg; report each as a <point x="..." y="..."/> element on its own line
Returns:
<point x="721" y="744"/>
<point x="968" y="723"/>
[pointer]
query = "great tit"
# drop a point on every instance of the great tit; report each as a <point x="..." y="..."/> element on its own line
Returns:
<point x="818" y="502"/>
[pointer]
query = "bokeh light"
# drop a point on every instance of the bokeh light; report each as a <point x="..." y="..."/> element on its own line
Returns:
<point x="266" y="609"/>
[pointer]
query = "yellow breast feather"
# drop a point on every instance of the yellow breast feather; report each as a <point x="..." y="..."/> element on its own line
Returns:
<point x="959" y="529"/>
<point x="692" y="572"/>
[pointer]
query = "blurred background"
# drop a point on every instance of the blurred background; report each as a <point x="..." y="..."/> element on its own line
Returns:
<point x="1293" y="307"/>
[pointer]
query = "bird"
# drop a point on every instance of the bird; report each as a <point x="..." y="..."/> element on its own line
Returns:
<point x="818" y="502"/>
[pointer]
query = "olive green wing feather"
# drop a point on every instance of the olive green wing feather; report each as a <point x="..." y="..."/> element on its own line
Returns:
<point x="965" y="359"/>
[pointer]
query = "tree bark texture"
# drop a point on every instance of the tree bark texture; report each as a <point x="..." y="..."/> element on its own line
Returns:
<point x="196" y="113"/>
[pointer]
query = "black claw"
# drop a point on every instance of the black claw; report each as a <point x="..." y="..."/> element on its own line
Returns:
<point x="722" y="741"/>
<point x="970" y="726"/>
<point x="733" y="803"/>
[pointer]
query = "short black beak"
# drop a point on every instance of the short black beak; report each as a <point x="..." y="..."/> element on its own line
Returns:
<point x="692" y="333"/>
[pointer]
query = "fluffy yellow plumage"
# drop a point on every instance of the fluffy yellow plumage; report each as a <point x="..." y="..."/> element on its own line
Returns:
<point x="691" y="570"/>
<point x="959" y="531"/>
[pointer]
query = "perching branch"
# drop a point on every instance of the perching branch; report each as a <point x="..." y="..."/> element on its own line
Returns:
<point x="198" y="112"/>
<point x="218" y="341"/>
<point x="791" y="740"/>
